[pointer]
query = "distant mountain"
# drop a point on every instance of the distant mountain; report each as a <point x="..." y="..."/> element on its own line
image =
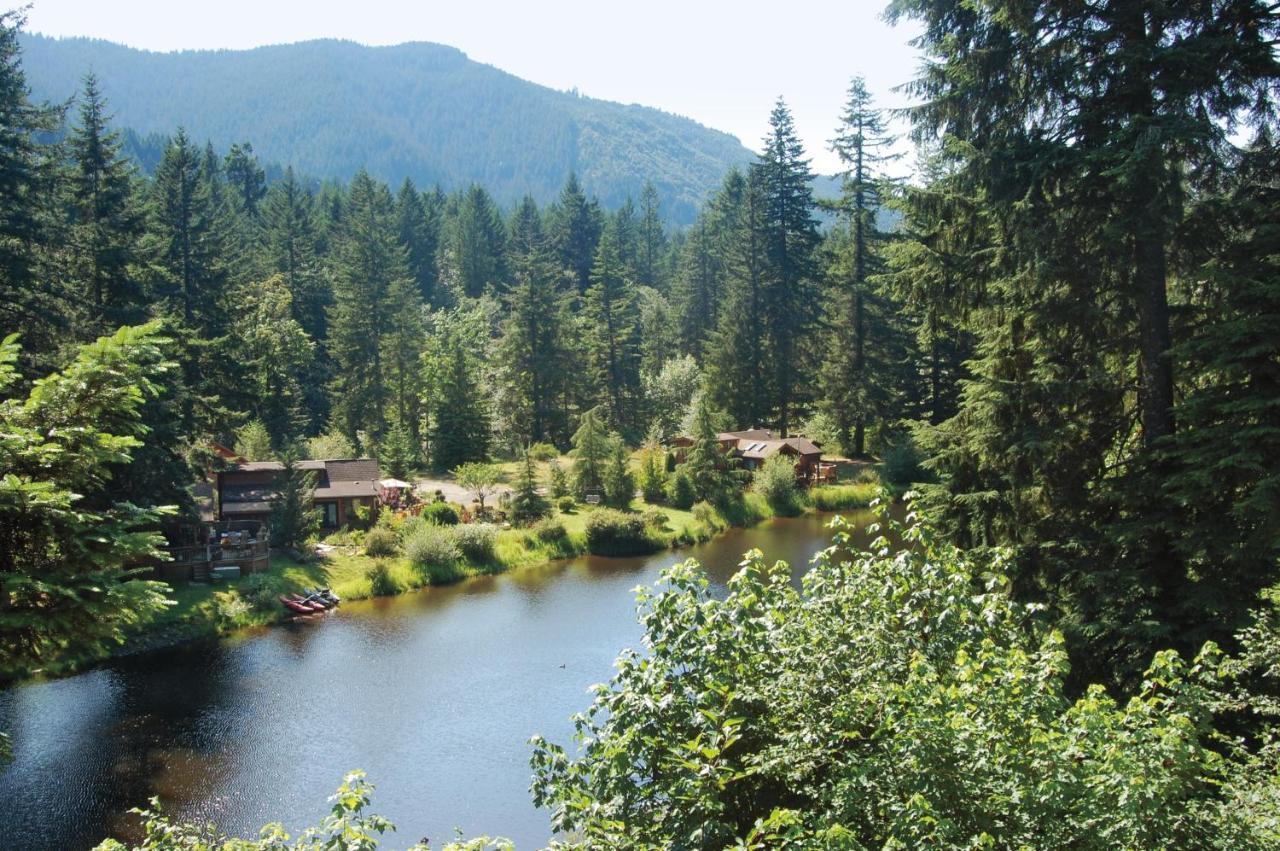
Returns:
<point x="418" y="110"/>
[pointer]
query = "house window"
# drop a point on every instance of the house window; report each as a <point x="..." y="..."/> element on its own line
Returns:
<point x="330" y="513"/>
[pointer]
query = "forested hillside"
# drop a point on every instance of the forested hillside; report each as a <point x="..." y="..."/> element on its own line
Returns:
<point x="422" y="111"/>
<point x="1068" y="345"/>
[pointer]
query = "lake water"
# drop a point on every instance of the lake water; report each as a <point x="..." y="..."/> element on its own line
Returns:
<point x="434" y="694"/>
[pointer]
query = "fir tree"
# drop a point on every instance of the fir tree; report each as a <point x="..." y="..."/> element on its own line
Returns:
<point x="26" y="302"/>
<point x="789" y="237"/>
<point x="619" y="484"/>
<point x="460" y="428"/>
<point x="105" y="222"/>
<point x="591" y="451"/>
<point x="527" y="504"/>
<point x="652" y="239"/>
<point x="374" y="302"/>
<point x="575" y="228"/>
<point x="612" y="334"/>
<point x="419" y="225"/>
<point x="294" y="517"/>
<point x="854" y="379"/>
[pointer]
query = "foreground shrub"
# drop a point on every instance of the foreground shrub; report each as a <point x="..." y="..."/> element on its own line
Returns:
<point x="775" y="480"/>
<point x="380" y="582"/>
<point x="616" y="533"/>
<point x="261" y="592"/>
<point x="680" y="492"/>
<point x="543" y="452"/>
<point x="550" y="531"/>
<point x="432" y="547"/>
<point x="476" y="541"/>
<point x="898" y="701"/>
<point x="902" y="463"/>
<point x="440" y="513"/>
<point x="842" y="497"/>
<point x="347" y="827"/>
<point x="380" y="542"/>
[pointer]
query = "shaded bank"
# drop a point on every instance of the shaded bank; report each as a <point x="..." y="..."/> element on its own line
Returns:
<point x="434" y="694"/>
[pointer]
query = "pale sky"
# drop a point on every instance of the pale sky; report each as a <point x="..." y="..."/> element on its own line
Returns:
<point x="720" y="63"/>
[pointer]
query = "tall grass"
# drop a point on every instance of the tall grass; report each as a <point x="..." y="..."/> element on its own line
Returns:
<point x="842" y="497"/>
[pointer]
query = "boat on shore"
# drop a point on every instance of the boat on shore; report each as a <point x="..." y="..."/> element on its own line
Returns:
<point x="310" y="602"/>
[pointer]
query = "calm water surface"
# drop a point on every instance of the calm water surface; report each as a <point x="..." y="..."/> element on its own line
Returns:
<point x="434" y="694"/>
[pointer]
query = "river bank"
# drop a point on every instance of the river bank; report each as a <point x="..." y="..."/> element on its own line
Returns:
<point x="201" y="612"/>
<point x="435" y="694"/>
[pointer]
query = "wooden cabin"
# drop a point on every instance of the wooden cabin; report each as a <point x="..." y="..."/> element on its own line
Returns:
<point x="248" y="491"/>
<point x="753" y="447"/>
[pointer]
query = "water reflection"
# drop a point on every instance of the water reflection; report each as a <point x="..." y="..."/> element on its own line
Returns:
<point x="434" y="694"/>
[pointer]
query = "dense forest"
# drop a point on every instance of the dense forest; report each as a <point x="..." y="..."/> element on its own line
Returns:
<point x="1068" y="343"/>
<point x="424" y="111"/>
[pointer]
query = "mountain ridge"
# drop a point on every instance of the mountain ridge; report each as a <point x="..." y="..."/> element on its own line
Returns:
<point x="420" y="109"/>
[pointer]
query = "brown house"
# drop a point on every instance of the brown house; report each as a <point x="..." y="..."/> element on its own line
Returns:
<point x="246" y="491"/>
<point x="753" y="447"/>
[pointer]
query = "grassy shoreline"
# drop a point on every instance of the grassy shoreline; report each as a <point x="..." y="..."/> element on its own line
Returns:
<point x="202" y="612"/>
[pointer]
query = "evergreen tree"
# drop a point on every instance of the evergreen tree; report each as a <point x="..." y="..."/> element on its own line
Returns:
<point x="740" y="379"/>
<point x="246" y="179"/>
<point x="652" y="239"/>
<point x="559" y="480"/>
<point x="696" y="292"/>
<point x="105" y="223"/>
<point x="853" y="379"/>
<point x="612" y="335"/>
<point x="294" y="517"/>
<point x="374" y="303"/>
<point x="188" y="237"/>
<point x="277" y="356"/>
<point x="707" y="468"/>
<point x="479" y="245"/>
<point x="289" y="237"/>
<point x="527" y="504"/>
<point x="1078" y="132"/>
<point x="419" y="225"/>
<point x="26" y="302"/>
<point x="460" y="427"/>
<point x="575" y="228"/>
<point x="591" y="450"/>
<point x="789" y="237"/>
<point x="67" y="540"/>
<point x="619" y="484"/>
<point x="536" y="353"/>
<point x="398" y="454"/>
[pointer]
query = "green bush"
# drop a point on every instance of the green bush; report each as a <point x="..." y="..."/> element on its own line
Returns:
<point x="261" y="591"/>
<point x="775" y="480"/>
<point x="655" y="519"/>
<point x="680" y="491"/>
<point x="616" y="533"/>
<point x="543" y="452"/>
<point x="440" y="513"/>
<point x="409" y="526"/>
<point x="550" y="531"/>
<point x="901" y="464"/>
<point x="432" y="546"/>
<point x="841" y="497"/>
<point x="566" y="504"/>
<point x="902" y="701"/>
<point x="381" y="542"/>
<point x="476" y="541"/>
<point x="380" y="582"/>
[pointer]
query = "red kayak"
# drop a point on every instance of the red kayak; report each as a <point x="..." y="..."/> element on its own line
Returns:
<point x="300" y="606"/>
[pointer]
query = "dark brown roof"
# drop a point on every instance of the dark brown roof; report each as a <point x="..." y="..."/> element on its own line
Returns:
<point x="336" y="478"/>
<point x="749" y="434"/>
